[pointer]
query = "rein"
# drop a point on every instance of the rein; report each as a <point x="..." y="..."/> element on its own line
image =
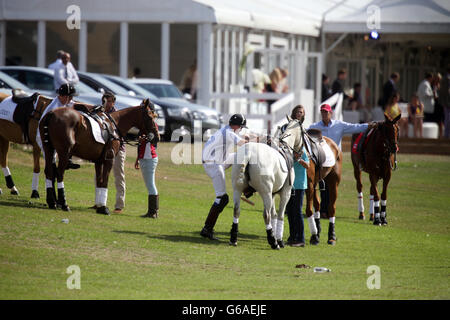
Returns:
<point x="388" y="151"/>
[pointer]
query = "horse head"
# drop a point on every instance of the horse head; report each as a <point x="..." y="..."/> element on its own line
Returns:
<point x="149" y="116"/>
<point x="292" y="135"/>
<point x="389" y="131"/>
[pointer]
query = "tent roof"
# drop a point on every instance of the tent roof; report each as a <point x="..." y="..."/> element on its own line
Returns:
<point x="290" y="16"/>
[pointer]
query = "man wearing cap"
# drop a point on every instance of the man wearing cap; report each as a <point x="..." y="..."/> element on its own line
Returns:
<point x="64" y="99"/>
<point x="335" y="130"/>
<point x="215" y="153"/>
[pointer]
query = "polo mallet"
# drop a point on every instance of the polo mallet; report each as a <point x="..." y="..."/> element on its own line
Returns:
<point x="248" y="201"/>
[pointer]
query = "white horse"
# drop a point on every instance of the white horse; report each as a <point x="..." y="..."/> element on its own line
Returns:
<point x="259" y="166"/>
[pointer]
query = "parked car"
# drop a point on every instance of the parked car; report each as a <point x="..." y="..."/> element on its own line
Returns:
<point x="178" y="117"/>
<point x="41" y="80"/>
<point x="8" y="83"/>
<point x="167" y="92"/>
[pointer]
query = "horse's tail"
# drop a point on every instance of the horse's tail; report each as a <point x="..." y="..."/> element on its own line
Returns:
<point x="241" y="161"/>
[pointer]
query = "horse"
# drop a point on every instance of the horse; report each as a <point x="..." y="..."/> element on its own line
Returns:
<point x="66" y="131"/>
<point x="257" y="165"/>
<point x="377" y="157"/>
<point x="12" y="132"/>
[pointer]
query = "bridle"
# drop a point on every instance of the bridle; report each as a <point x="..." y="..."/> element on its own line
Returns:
<point x="390" y="148"/>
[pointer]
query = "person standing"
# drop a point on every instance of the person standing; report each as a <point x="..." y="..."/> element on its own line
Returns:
<point x="65" y="72"/>
<point x="426" y="97"/>
<point x="147" y="161"/>
<point x="445" y="100"/>
<point x="214" y="156"/>
<point x="415" y="115"/>
<point x="294" y="206"/>
<point x="338" y="84"/>
<point x="438" y="108"/>
<point x="55" y="65"/>
<point x="335" y="130"/>
<point x="326" y="90"/>
<point x="108" y="102"/>
<point x="389" y="88"/>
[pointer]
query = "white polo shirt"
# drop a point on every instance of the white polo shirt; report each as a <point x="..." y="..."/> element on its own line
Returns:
<point x="220" y="145"/>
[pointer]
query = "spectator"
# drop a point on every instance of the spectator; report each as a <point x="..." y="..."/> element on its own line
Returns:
<point x="136" y="72"/>
<point x="189" y="81"/>
<point x="326" y="91"/>
<point x="283" y="85"/>
<point x="294" y="206"/>
<point x="438" y="108"/>
<point x="275" y="79"/>
<point x="393" y="110"/>
<point x="355" y="103"/>
<point x="389" y="88"/>
<point x="445" y="100"/>
<point x="415" y="115"/>
<point x="58" y="62"/>
<point x="338" y="84"/>
<point x="65" y="73"/>
<point x="426" y="97"/>
<point x="335" y="130"/>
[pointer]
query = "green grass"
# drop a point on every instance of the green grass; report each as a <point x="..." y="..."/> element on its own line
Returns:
<point x="123" y="256"/>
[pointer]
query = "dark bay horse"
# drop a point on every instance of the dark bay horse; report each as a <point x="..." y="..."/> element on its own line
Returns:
<point x="12" y="132"/>
<point x="67" y="132"/>
<point x="377" y="157"/>
<point x="332" y="177"/>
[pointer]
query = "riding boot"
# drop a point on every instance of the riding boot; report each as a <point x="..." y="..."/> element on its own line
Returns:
<point x="153" y="206"/>
<point x="71" y="164"/>
<point x="210" y="222"/>
<point x="51" y="198"/>
<point x="331" y="234"/>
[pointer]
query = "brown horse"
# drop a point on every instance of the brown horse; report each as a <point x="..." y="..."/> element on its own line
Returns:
<point x="377" y="157"/>
<point x="12" y="132"/>
<point x="67" y="132"/>
<point x="332" y="178"/>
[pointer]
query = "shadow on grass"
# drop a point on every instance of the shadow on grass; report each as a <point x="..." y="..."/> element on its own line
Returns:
<point x="193" y="237"/>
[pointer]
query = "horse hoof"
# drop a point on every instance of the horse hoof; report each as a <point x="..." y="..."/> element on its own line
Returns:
<point x="65" y="208"/>
<point x="371" y="217"/>
<point x="103" y="210"/>
<point x="52" y="206"/>
<point x="233" y="244"/>
<point x="314" y="240"/>
<point x="14" y="192"/>
<point x="362" y="216"/>
<point x="280" y="243"/>
<point x="35" y="194"/>
<point x="331" y="242"/>
<point x="377" y="222"/>
<point x="275" y="247"/>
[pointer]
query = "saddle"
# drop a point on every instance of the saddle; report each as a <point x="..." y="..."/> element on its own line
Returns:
<point x="109" y="131"/>
<point x="360" y="144"/>
<point x="314" y="138"/>
<point x="24" y="110"/>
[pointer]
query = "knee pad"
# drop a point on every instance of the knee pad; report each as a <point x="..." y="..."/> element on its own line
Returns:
<point x="223" y="201"/>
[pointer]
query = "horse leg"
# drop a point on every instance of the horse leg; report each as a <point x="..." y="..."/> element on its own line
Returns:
<point x="384" y="199"/>
<point x="4" y="147"/>
<point x="310" y="193"/>
<point x="359" y="186"/>
<point x="332" y="183"/>
<point x="49" y="177"/>
<point x="102" y="185"/>
<point x="268" y="203"/>
<point x="284" y="198"/>
<point x="236" y="214"/>
<point x="62" y="164"/>
<point x="36" y="170"/>
<point x="376" y="199"/>
<point x="316" y="206"/>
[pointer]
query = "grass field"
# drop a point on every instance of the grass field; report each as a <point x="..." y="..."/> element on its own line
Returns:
<point x="123" y="256"/>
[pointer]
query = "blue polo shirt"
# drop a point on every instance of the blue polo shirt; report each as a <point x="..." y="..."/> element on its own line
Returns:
<point x="336" y="129"/>
<point x="300" y="181"/>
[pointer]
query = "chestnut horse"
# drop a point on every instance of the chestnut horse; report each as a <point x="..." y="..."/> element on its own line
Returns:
<point x="67" y="132"/>
<point x="12" y="132"/>
<point x="332" y="177"/>
<point x="377" y="157"/>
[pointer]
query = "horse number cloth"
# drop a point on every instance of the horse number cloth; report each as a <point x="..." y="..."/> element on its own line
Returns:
<point x="7" y="108"/>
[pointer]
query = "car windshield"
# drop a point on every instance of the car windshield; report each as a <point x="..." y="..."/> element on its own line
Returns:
<point x="162" y="90"/>
<point x="116" y="89"/>
<point x="129" y="85"/>
<point x="11" y="83"/>
<point x="80" y="87"/>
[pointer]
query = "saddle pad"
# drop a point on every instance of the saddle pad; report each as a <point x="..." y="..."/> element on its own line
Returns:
<point x="7" y="108"/>
<point x="283" y="164"/>
<point x="96" y="130"/>
<point x="355" y="144"/>
<point x="330" y="161"/>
